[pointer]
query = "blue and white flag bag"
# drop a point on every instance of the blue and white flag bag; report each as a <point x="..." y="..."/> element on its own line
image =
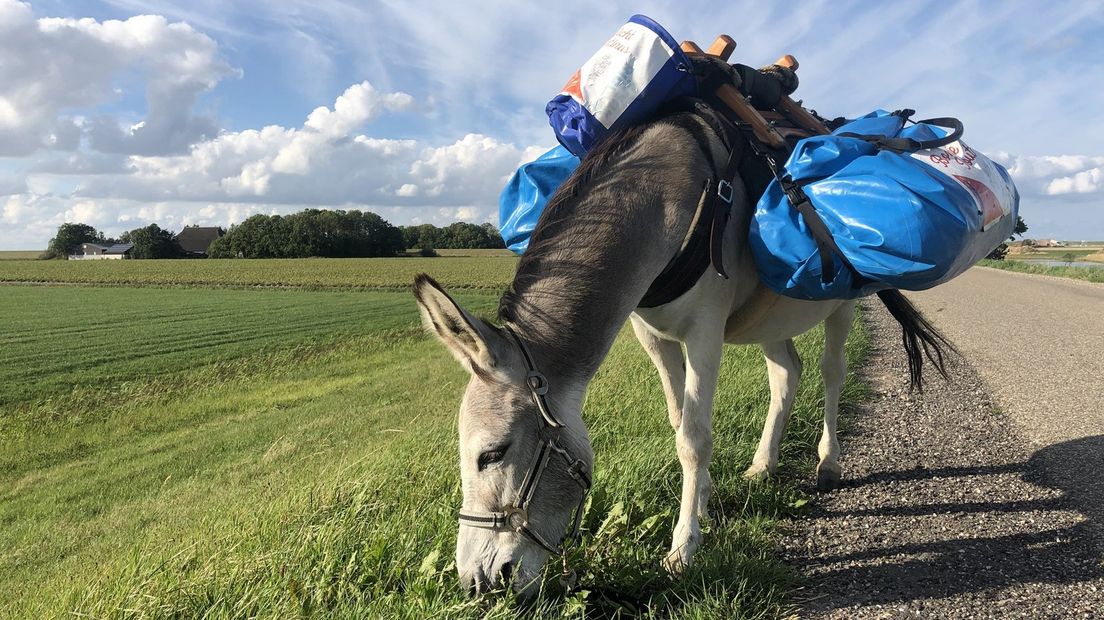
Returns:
<point x="639" y="69"/>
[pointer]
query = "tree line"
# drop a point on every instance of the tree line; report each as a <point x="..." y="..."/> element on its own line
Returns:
<point x="307" y="233"/>
<point x="149" y="241"/>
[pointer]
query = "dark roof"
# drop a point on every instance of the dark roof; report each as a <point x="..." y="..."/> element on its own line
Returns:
<point x="118" y="248"/>
<point x="196" y="239"/>
<point x="96" y="248"/>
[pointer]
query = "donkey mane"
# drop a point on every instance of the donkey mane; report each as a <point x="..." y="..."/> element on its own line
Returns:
<point x="546" y="237"/>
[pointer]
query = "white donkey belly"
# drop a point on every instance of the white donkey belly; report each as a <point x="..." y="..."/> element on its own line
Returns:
<point x="769" y="317"/>
<point x="750" y="312"/>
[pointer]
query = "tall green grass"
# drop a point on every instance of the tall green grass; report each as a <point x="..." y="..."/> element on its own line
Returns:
<point x="325" y="485"/>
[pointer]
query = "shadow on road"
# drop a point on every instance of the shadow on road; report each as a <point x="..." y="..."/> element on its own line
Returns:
<point x="1041" y="553"/>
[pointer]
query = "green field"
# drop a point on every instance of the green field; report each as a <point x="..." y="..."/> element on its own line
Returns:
<point x="19" y="254"/>
<point x="223" y="452"/>
<point x="492" y="272"/>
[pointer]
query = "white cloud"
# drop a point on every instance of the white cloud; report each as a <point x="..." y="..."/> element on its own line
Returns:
<point x="1084" y="182"/>
<point x="62" y="64"/>
<point x="326" y="161"/>
<point x="1053" y="175"/>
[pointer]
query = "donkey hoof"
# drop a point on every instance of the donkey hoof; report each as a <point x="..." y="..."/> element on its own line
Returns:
<point x="675" y="564"/>
<point x="828" y="478"/>
<point x="757" y="473"/>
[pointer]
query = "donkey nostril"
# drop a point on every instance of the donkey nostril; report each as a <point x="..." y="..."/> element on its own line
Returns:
<point x="507" y="571"/>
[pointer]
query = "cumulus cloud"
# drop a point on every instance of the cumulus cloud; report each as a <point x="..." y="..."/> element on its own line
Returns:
<point x="74" y="64"/>
<point x="1054" y="175"/>
<point x="326" y="161"/>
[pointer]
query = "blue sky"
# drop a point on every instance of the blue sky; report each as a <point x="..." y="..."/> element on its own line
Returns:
<point x="118" y="113"/>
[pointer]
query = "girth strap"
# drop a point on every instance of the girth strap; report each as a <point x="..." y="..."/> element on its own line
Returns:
<point x="704" y="242"/>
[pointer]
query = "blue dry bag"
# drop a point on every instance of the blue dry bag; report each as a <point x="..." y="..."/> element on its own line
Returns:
<point x="908" y="207"/>
<point x="524" y="197"/>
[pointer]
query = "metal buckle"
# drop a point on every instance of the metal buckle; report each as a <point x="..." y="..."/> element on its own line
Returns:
<point x="724" y="190"/>
<point x="517" y="518"/>
<point x="537" y="383"/>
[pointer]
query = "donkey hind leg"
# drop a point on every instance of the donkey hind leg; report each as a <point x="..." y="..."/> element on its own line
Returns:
<point x="783" y="372"/>
<point x="670" y="362"/>
<point x="694" y="440"/>
<point x="833" y="367"/>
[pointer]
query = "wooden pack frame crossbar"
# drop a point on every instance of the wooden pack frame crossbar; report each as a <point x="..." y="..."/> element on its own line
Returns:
<point x="763" y="128"/>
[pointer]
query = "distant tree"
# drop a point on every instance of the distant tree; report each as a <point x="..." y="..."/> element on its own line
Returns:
<point x="312" y="232"/>
<point x="1001" y="250"/>
<point x="69" y="238"/>
<point x="495" y="235"/>
<point x="152" y="242"/>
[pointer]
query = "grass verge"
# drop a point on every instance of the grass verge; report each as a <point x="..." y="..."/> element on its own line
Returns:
<point x="1089" y="274"/>
<point x="327" y="487"/>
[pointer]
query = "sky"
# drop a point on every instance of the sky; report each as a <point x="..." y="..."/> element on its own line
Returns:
<point x="118" y="113"/>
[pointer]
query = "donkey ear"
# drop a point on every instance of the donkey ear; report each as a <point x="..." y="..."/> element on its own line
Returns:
<point x="469" y="339"/>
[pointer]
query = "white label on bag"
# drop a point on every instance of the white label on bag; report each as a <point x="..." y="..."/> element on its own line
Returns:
<point x="993" y="192"/>
<point x="618" y="72"/>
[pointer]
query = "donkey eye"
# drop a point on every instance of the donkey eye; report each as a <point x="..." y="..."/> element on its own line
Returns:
<point x="491" y="456"/>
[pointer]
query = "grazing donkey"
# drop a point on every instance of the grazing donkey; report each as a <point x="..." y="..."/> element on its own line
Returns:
<point x="525" y="456"/>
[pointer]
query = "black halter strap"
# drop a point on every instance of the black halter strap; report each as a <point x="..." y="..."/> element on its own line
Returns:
<point x="516" y="516"/>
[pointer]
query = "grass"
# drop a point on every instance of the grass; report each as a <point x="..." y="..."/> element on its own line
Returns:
<point x="491" y="273"/>
<point x="19" y="254"/>
<point x="304" y="466"/>
<point x="1090" y="274"/>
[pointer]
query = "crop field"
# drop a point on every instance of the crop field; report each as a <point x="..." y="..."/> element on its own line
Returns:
<point x="229" y="452"/>
<point x="492" y="272"/>
<point x="19" y="254"/>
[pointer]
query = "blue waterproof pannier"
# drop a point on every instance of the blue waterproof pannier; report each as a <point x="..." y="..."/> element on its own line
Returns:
<point x="639" y="69"/>
<point x="528" y="191"/>
<point x="902" y="213"/>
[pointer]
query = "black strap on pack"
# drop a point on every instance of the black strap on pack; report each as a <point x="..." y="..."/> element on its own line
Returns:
<point x="704" y="243"/>
<point x="908" y="145"/>
<point x="825" y="242"/>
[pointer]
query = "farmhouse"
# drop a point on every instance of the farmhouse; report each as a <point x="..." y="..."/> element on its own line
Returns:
<point x="95" y="251"/>
<point x="195" y="240"/>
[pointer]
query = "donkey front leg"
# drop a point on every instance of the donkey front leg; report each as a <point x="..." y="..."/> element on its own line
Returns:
<point x="783" y="372"/>
<point x="694" y="440"/>
<point x="670" y="362"/>
<point x="833" y="367"/>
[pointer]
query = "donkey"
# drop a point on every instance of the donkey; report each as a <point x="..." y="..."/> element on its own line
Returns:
<point x="525" y="455"/>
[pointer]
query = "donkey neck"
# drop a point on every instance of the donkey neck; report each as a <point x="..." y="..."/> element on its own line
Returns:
<point x="595" y="253"/>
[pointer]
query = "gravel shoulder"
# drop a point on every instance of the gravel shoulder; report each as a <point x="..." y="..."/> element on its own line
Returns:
<point x="947" y="509"/>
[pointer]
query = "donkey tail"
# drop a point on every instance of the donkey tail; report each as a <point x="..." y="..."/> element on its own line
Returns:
<point x="920" y="337"/>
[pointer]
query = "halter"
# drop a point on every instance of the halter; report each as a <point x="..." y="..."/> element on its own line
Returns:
<point x="516" y="517"/>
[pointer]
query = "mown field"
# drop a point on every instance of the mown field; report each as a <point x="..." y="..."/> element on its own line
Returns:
<point x="230" y="452"/>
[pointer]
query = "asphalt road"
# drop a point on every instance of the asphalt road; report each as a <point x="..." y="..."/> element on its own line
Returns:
<point x="982" y="496"/>
<point x="1037" y="341"/>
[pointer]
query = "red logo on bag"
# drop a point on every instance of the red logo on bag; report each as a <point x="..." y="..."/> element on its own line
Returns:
<point x="991" y="210"/>
<point x="574" y="88"/>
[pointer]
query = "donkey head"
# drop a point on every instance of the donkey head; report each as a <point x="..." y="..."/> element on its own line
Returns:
<point x="522" y="477"/>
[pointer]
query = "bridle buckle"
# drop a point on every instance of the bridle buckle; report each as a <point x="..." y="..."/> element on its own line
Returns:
<point x="537" y="382"/>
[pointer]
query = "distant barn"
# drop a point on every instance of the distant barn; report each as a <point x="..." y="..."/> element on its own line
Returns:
<point x="195" y="240"/>
<point x="96" y="251"/>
